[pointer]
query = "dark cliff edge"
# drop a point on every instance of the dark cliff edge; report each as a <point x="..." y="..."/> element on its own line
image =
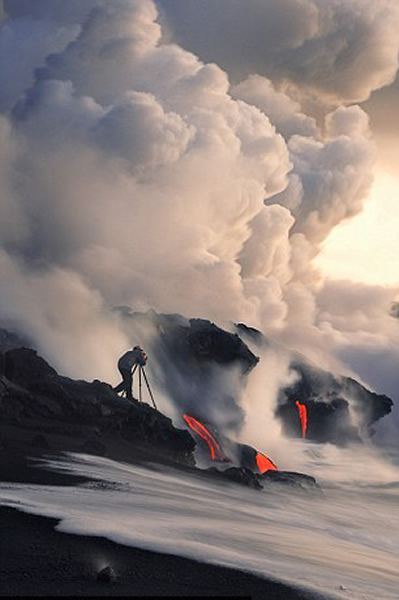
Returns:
<point x="45" y="413"/>
<point x="340" y="410"/>
<point x="42" y="410"/>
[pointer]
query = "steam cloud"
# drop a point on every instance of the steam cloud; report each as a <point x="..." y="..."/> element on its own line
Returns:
<point x="134" y="173"/>
<point x="339" y="50"/>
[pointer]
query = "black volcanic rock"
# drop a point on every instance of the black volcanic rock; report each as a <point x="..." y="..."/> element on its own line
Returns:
<point x="246" y="456"/>
<point x="290" y="478"/>
<point x="9" y="340"/>
<point x="199" y="343"/>
<point x="251" y="333"/>
<point x="331" y="403"/>
<point x="148" y="425"/>
<point x="328" y="421"/>
<point x="203" y="369"/>
<point x="240" y="475"/>
<point x="204" y="341"/>
<point x="370" y="406"/>
<point x="340" y="410"/>
<point x="38" y="403"/>
<point x="24" y="366"/>
<point x="245" y="476"/>
<point x="198" y="364"/>
<point x="106" y="575"/>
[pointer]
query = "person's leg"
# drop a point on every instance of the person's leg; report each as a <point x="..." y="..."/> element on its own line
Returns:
<point x="126" y="384"/>
<point x="128" y="381"/>
<point x="120" y="387"/>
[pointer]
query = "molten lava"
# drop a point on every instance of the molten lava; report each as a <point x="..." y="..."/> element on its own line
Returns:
<point x="202" y="431"/>
<point x="264" y="463"/>
<point x="303" y="415"/>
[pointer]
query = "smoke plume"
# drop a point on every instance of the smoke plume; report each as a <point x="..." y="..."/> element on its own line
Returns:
<point x="332" y="51"/>
<point x="141" y="166"/>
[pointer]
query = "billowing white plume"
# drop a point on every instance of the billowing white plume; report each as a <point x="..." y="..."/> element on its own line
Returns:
<point x="134" y="173"/>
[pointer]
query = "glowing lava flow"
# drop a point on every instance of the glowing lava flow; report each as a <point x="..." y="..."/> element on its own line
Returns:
<point x="264" y="463"/>
<point x="303" y="415"/>
<point x="215" y="449"/>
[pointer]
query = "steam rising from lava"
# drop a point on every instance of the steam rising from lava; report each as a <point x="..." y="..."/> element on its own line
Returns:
<point x="134" y="173"/>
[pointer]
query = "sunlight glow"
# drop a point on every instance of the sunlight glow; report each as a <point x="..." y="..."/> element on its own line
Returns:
<point x="366" y="248"/>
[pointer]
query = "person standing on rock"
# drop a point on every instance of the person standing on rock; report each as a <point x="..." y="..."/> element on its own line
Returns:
<point x="126" y="363"/>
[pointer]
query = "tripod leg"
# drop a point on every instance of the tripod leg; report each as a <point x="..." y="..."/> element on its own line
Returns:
<point x="149" y="389"/>
<point x="140" y="395"/>
<point x="133" y="372"/>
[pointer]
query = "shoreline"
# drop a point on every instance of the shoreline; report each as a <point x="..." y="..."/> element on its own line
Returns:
<point x="37" y="560"/>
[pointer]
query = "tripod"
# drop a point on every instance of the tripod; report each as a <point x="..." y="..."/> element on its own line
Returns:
<point x="143" y="375"/>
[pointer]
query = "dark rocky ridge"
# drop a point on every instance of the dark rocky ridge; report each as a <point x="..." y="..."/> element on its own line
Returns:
<point x="195" y="342"/>
<point x="256" y="481"/>
<point x="340" y="410"/>
<point x="42" y="411"/>
<point x="201" y="366"/>
<point x="196" y="355"/>
<point x="10" y="340"/>
<point x="54" y="412"/>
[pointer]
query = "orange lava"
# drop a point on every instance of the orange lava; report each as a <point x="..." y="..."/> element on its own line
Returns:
<point x="264" y="463"/>
<point x="215" y="449"/>
<point x="303" y="415"/>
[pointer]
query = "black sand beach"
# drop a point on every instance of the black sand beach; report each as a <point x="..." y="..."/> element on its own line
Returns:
<point x="36" y="560"/>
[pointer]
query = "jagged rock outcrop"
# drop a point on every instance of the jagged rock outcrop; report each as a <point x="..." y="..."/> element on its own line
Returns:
<point x="256" y="481"/>
<point x="10" y="340"/>
<point x="339" y="409"/>
<point x="107" y="575"/>
<point x="289" y="478"/>
<point x="195" y="342"/>
<point x="240" y="475"/>
<point x="146" y="423"/>
<point x="198" y="364"/>
<point x="251" y="333"/>
<point x="203" y="369"/>
<point x="39" y="406"/>
<point x="80" y="416"/>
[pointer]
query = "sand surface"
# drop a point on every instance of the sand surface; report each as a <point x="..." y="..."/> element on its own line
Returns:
<point x="37" y="560"/>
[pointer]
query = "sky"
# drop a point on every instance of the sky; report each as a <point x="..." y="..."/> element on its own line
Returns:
<point x="366" y="248"/>
<point x="232" y="160"/>
<point x="370" y="240"/>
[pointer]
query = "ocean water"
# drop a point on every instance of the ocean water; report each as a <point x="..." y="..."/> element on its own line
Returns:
<point x="342" y="542"/>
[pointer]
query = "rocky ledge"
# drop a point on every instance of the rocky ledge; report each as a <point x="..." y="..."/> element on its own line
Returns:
<point x="41" y="409"/>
